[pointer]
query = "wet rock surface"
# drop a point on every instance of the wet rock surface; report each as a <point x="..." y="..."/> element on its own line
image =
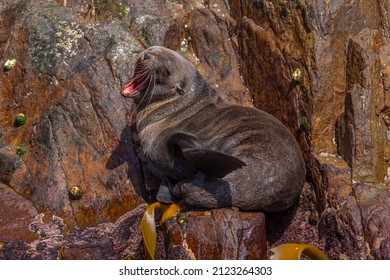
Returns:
<point x="72" y="57"/>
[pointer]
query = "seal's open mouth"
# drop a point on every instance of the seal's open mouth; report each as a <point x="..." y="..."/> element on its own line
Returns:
<point x="139" y="83"/>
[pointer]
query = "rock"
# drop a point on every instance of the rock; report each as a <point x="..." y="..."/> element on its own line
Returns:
<point x="68" y="83"/>
<point x="119" y="240"/>
<point x="374" y="202"/>
<point x="16" y="215"/>
<point x="73" y="60"/>
<point x="89" y="253"/>
<point x="332" y="50"/>
<point x="306" y="36"/>
<point x="268" y="85"/>
<point x="207" y="30"/>
<point x="9" y="164"/>
<point x="48" y="228"/>
<point x="336" y="24"/>
<point x="216" y="234"/>
<point x="298" y="224"/>
<point x="362" y="139"/>
<point x="79" y="131"/>
<point x="268" y="36"/>
<point x="340" y="222"/>
<point x="154" y="23"/>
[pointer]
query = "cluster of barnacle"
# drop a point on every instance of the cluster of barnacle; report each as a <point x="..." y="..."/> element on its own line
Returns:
<point x="20" y="119"/>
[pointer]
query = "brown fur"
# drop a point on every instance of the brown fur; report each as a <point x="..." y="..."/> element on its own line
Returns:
<point x="178" y="99"/>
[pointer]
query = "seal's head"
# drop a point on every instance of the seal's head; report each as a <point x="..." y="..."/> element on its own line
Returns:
<point x="161" y="74"/>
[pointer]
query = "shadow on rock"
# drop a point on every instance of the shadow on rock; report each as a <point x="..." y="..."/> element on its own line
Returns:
<point x="277" y="223"/>
<point x="125" y="153"/>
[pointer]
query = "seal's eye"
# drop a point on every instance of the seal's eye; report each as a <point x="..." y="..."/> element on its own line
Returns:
<point x="162" y="75"/>
<point x="179" y="89"/>
<point x="165" y="72"/>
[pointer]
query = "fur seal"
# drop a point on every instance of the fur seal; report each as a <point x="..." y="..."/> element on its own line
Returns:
<point x="212" y="153"/>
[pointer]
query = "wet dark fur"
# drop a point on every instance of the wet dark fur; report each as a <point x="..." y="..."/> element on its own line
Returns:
<point x="178" y="99"/>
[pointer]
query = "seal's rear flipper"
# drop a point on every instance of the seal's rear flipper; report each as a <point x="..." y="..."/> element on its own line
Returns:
<point x="164" y="194"/>
<point x="212" y="163"/>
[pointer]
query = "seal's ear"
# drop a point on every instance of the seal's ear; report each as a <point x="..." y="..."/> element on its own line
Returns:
<point x="179" y="89"/>
<point x="213" y="163"/>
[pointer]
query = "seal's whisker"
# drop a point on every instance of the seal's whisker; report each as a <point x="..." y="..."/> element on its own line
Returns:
<point x="143" y="97"/>
<point x="150" y="86"/>
<point x="141" y="73"/>
<point x="139" y="66"/>
<point x="151" y="93"/>
<point x="143" y="79"/>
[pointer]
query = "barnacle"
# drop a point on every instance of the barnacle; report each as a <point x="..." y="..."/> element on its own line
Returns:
<point x="9" y="64"/>
<point x="296" y="76"/>
<point x="185" y="45"/>
<point x="21" y="150"/>
<point x="304" y="124"/>
<point x="20" y="119"/>
<point x="75" y="192"/>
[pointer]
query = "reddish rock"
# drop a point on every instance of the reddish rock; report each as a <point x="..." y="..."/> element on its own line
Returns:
<point x="91" y="253"/>
<point x="274" y="40"/>
<point x="265" y="84"/>
<point x="72" y="61"/>
<point x="374" y="202"/>
<point x="362" y="139"/>
<point x="44" y="227"/>
<point x="216" y="234"/>
<point x="340" y="222"/>
<point x="211" y="49"/>
<point x="119" y="240"/>
<point x="335" y="24"/>
<point x="16" y="215"/>
<point x="284" y="36"/>
<point x="75" y="117"/>
<point x="342" y="60"/>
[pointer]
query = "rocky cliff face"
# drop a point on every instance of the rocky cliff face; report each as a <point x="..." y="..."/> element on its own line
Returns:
<point x="338" y="110"/>
<point x="73" y="57"/>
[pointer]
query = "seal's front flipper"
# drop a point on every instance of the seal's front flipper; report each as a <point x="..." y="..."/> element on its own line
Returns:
<point x="164" y="194"/>
<point x="212" y="163"/>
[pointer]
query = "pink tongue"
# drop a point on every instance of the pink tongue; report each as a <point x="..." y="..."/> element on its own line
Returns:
<point x="129" y="89"/>
<point x="135" y="85"/>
